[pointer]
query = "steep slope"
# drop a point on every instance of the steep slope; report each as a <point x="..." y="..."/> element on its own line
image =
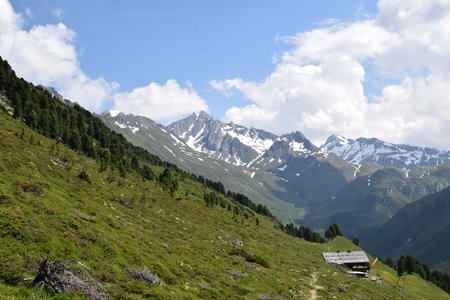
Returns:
<point x="421" y="229"/>
<point x="383" y="153"/>
<point x="113" y="222"/>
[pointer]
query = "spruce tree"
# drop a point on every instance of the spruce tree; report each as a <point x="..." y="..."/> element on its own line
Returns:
<point x="401" y="266"/>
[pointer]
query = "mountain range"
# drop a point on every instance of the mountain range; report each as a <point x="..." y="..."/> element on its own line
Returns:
<point x="288" y="167"/>
<point x="363" y="150"/>
<point x="314" y="186"/>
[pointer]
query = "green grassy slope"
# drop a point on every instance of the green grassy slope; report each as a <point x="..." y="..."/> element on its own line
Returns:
<point x="115" y="223"/>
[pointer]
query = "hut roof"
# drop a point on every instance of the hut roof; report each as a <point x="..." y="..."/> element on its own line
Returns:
<point x="341" y="258"/>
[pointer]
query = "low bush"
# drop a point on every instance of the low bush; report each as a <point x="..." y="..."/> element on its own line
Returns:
<point x="252" y="258"/>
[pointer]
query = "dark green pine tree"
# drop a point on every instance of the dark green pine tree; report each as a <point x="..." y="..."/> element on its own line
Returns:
<point x="401" y="266"/>
<point x="336" y="230"/>
<point x="332" y="232"/>
<point x="44" y="123"/>
<point x="134" y="163"/>
<point x="55" y="130"/>
<point x="410" y="264"/>
<point x="87" y="146"/>
<point x="75" y="140"/>
<point x="389" y="262"/>
<point x="427" y="272"/>
<point x="17" y="104"/>
<point x="147" y="173"/>
<point x="66" y="135"/>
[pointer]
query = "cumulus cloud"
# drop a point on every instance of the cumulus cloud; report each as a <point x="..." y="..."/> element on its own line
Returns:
<point x="318" y="86"/>
<point x="46" y="55"/>
<point x="163" y="103"/>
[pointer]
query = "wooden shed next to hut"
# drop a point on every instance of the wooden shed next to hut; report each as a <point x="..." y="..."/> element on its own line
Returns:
<point x="354" y="260"/>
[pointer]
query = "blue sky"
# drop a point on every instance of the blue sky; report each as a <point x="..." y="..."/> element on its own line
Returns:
<point x="355" y="68"/>
<point x="136" y="42"/>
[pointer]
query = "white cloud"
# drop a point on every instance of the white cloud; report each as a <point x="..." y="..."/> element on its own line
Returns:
<point x="29" y="13"/>
<point x="46" y="55"/>
<point x="318" y="86"/>
<point x="58" y="13"/>
<point x="163" y="103"/>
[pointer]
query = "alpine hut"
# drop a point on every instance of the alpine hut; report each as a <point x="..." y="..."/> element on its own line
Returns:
<point x="353" y="260"/>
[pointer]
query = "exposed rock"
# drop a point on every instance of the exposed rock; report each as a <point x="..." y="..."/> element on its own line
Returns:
<point x="145" y="275"/>
<point x="235" y="273"/>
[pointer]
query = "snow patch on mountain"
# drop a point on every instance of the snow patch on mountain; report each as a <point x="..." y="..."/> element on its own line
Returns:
<point x="230" y="142"/>
<point x="177" y="141"/>
<point x="258" y="144"/>
<point x="298" y="147"/>
<point x="168" y="149"/>
<point x="282" y="168"/>
<point x="113" y="113"/>
<point x="120" y="125"/>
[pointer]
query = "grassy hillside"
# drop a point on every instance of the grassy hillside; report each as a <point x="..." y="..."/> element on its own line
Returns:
<point x="113" y="223"/>
<point x="420" y="229"/>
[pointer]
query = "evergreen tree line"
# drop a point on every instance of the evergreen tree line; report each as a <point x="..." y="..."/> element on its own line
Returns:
<point x="407" y="264"/>
<point x="215" y="185"/>
<point x="302" y="232"/>
<point x="212" y="199"/>
<point x="236" y="197"/>
<point x="244" y="200"/>
<point x="168" y="182"/>
<point x="332" y="232"/>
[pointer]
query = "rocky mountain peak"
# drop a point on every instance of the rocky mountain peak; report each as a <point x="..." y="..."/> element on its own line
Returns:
<point x="228" y="141"/>
<point x="204" y="116"/>
<point x="383" y="153"/>
<point x="299" y="143"/>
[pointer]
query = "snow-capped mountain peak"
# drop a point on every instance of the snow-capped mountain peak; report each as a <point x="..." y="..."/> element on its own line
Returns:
<point x="113" y="113"/>
<point x="228" y="141"/>
<point x="299" y="143"/>
<point x="383" y="153"/>
<point x="258" y="140"/>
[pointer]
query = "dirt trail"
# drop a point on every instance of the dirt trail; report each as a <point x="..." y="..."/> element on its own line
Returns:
<point x="314" y="286"/>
